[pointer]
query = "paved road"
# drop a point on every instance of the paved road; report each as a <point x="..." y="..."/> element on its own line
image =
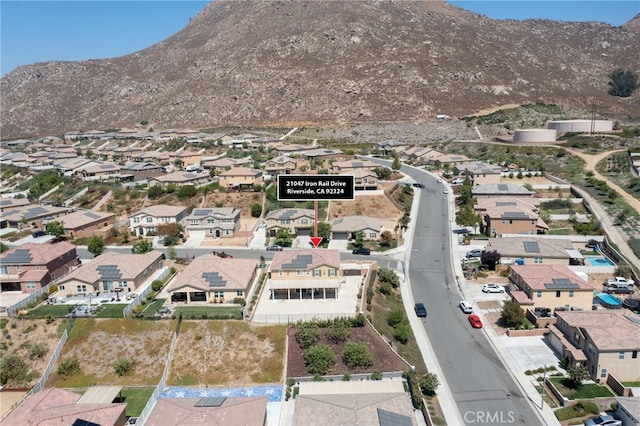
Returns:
<point x="482" y="388"/>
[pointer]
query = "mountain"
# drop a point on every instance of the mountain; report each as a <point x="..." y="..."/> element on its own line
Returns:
<point x="318" y="62"/>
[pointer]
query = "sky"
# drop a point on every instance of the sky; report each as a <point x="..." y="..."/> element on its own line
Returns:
<point x="64" y="30"/>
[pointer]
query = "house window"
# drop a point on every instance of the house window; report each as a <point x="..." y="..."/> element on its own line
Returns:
<point x="149" y="220"/>
<point x="603" y="373"/>
<point x="280" y="273"/>
<point x="634" y="354"/>
<point x="537" y="260"/>
<point x="31" y="285"/>
<point x="240" y="293"/>
<point x="372" y="235"/>
<point x="3" y="269"/>
<point x="510" y="221"/>
<point x="136" y="220"/>
<point x="61" y="287"/>
<point x="218" y="294"/>
<point x="304" y="221"/>
<point x="570" y="293"/>
<point x="332" y="272"/>
<point x="538" y="294"/>
<point x="558" y="293"/>
<point x="590" y="348"/>
<point x="210" y="220"/>
<point x="122" y="284"/>
<point x="81" y="288"/>
<point x="285" y="221"/>
<point x="504" y="221"/>
<point x="621" y="355"/>
<point x="316" y="272"/>
<point x="38" y="266"/>
<point x="19" y="267"/>
<point x="107" y="285"/>
<point x="299" y="272"/>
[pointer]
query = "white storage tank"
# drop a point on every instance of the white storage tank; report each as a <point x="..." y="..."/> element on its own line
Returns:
<point x="534" y="135"/>
<point x="580" y="126"/>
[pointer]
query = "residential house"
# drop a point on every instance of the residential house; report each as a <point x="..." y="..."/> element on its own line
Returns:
<point x="281" y="164"/>
<point x="297" y="221"/>
<point x="35" y="215"/>
<point x="550" y="287"/>
<point x="220" y="222"/>
<point x="263" y="142"/>
<point x="351" y="166"/>
<point x="606" y="342"/>
<point x="125" y="153"/>
<point x="180" y="179"/>
<point x="62" y="407"/>
<point x="288" y="149"/>
<point x="390" y="147"/>
<point x="222" y="164"/>
<point x="87" y="223"/>
<point x="483" y="203"/>
<point x="347" y="228"/>
<point x="513" y="219"/>
<point x="448" y="161"/>
<point x="240" y="178"/>
<point x="72" y="166"/>
<point x="186" y="158"/>
<point x="111" y="271"/>
<point x="420" y="154"/>
<point x="157" y="157"/>
<point x="99" y="172"/>
<point x="147" y="220"/>
<point x="535" y="251"/>
<point x="12" y="203"/>
<point x="137" y="171"/>
<point x="501" y="190"/>
<point x="225" y="410"/>
<point x="319" y="153"/>
<point x="213" y="279"/>
<point x="628" y="410"/>
<point x="480" y="172"/>
<point x="365" y="180"/>
<point x="32" y="266"/>
<point x="305" y="274"/>
<point x="383" y="402"/>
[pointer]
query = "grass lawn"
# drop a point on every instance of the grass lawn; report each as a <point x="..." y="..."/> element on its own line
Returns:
<point x="578" y="410"/>
<point x="111" y="310"/>
<point x="151" y="308"/>
<point x="53" y="310"/>
<point x="586" y="391"/>
<point x="632" y="384"/>
<point x="561" y="231"/>
<point x="209" y="312"/>
<point x="136" y="399"/>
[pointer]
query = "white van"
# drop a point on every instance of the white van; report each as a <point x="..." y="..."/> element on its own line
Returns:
<point x="192" y="167"/>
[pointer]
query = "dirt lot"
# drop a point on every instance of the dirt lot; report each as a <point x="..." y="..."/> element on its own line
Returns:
<point x="371" y="205"/>
<point x="230" y="353"/>
<point x="384" y="359"/>
<point x="98" y="343"/>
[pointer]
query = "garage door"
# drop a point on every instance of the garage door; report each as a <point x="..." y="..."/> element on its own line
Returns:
<point x="303" y="232"/>
<point x="340" y="235"/>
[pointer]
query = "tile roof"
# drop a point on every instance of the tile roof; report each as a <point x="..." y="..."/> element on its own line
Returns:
<point x="520" y="247"/>
<point x="38" y="254"/>
<point x="289" y="214"/>
<point x="209" y="273"/>
<point x="233" y="411"/>
<point x="241" y="171"/>
<point x="542" y="277"/>
<point x="598" y="325"/>
<point x="82" y="218"/>
<point x="356" y="223"/>
<point x="305" y="259"/>
<point x="161" y="210"/>
<point x="502" y="189"/>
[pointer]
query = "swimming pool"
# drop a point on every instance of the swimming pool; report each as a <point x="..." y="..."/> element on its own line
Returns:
<point x="609" y="301"/>
<point x="599" y="261"/>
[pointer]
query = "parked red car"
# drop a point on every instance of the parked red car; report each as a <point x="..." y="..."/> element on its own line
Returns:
<point x="475" y="321"/>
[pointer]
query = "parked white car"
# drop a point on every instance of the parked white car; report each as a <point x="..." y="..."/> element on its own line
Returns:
<point x="492" y="288"/>
<point x="619" y="281"/>
<point x="466" y="307"/>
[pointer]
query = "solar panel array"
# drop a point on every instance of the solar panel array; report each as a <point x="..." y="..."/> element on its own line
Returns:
<point x="36" y="211"/>
<point x="5" y="202"/>
<point x="106" y="166"/>
<point x="503" y="187"/>
<point x="561" y="284"/>
<point x="92" y="215"/>
<point x="18" y="257"/>
<point x="211" y="401"/>
<point x="388" y="418"/>
<point x="519" y="215"/>
<point x="214" y="279"/>
<point x="531" y="247"/>
<point x="109" y="272"/>
<point x="505" y="203"/>
<point x="287" y="214"/>
<point x="302" y="261"/>
<point x="189" y="175"/>
<point x="201" y="212"/>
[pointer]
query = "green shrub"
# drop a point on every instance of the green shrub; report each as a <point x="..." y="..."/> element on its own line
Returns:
<point x="357" y="354"/>
<point x="156" y="285"/>
<point x="429" y="383"/>
<point x="125" y="366"/>
<point x="319" y="359"/>
<point x="338" y="333"/>
<point x="395" y="317"/>
<point x="402" y="332"/>
<point x="307" y="334"/>
<point x="38" y="351"/>
<point x="69" y="366"/>
<point x="376" y="375"/>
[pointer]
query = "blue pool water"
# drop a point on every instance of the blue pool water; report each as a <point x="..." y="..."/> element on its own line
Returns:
<point x="609" y="300"/>
<point x="598" y="261"/>
<point x="273" y="393"/>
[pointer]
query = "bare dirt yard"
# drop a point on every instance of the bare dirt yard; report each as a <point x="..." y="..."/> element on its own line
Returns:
<point x="230" y="353"/>
<point x="98" y="344"/>
<point x="384" y="359"/>
<point x="379" y="206"/>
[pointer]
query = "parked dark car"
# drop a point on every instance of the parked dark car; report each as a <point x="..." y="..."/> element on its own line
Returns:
<point x="38" y="233"/>
<point x="421" y="311"/>
<point x="632" y="304"/>
<point x="362" y="250"/>
<point x="418" y="185"/>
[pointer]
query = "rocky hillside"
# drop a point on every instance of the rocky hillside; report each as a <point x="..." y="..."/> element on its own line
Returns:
<point x="326" y="62"/>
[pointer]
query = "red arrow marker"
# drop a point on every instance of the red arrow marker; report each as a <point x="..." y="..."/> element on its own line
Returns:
<point x="315" y="241"/>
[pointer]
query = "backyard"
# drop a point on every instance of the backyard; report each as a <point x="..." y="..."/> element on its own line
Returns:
<point x="585" y="391"/>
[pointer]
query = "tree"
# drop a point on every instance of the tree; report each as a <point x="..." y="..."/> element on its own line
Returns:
<point x="577" y="373"/>
<point x="357" y="354"/>
<point x="95" y="245"/>
<point x="395" y="165"/>
<point x="387" y="275"/>
<point x="284" y="237"/>
<point x="256" y="210"/>
<point x="186" y="191"/>
<point x="155" y="192"/>
<point x="69" y="366"/>
<point x="171" y="253"/>
<point x="622" y="82"/>
<point x="324" y="231"/>
<point x="466" y="216"/>
<point x="142" y="247"/>
<point x="382" y="172"/>
<point x="319" y="359"/>
<point x="402" y="332"/>
<point x="12" y="366"/>
<point x="169" y="229"/>
<point x="3" y="247"/>
<point x="512" y="313"/>
<point x="429" y="383"/>
<point x="125" y="366"/>
<point x="490" y="258"/>
<point x="359" y="241"/>
<point x="385" y="239"/>
<point x="55" y="228"/>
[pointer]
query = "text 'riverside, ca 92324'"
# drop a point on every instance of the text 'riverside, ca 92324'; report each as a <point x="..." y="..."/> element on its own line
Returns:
<point x="316" y="187"/>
